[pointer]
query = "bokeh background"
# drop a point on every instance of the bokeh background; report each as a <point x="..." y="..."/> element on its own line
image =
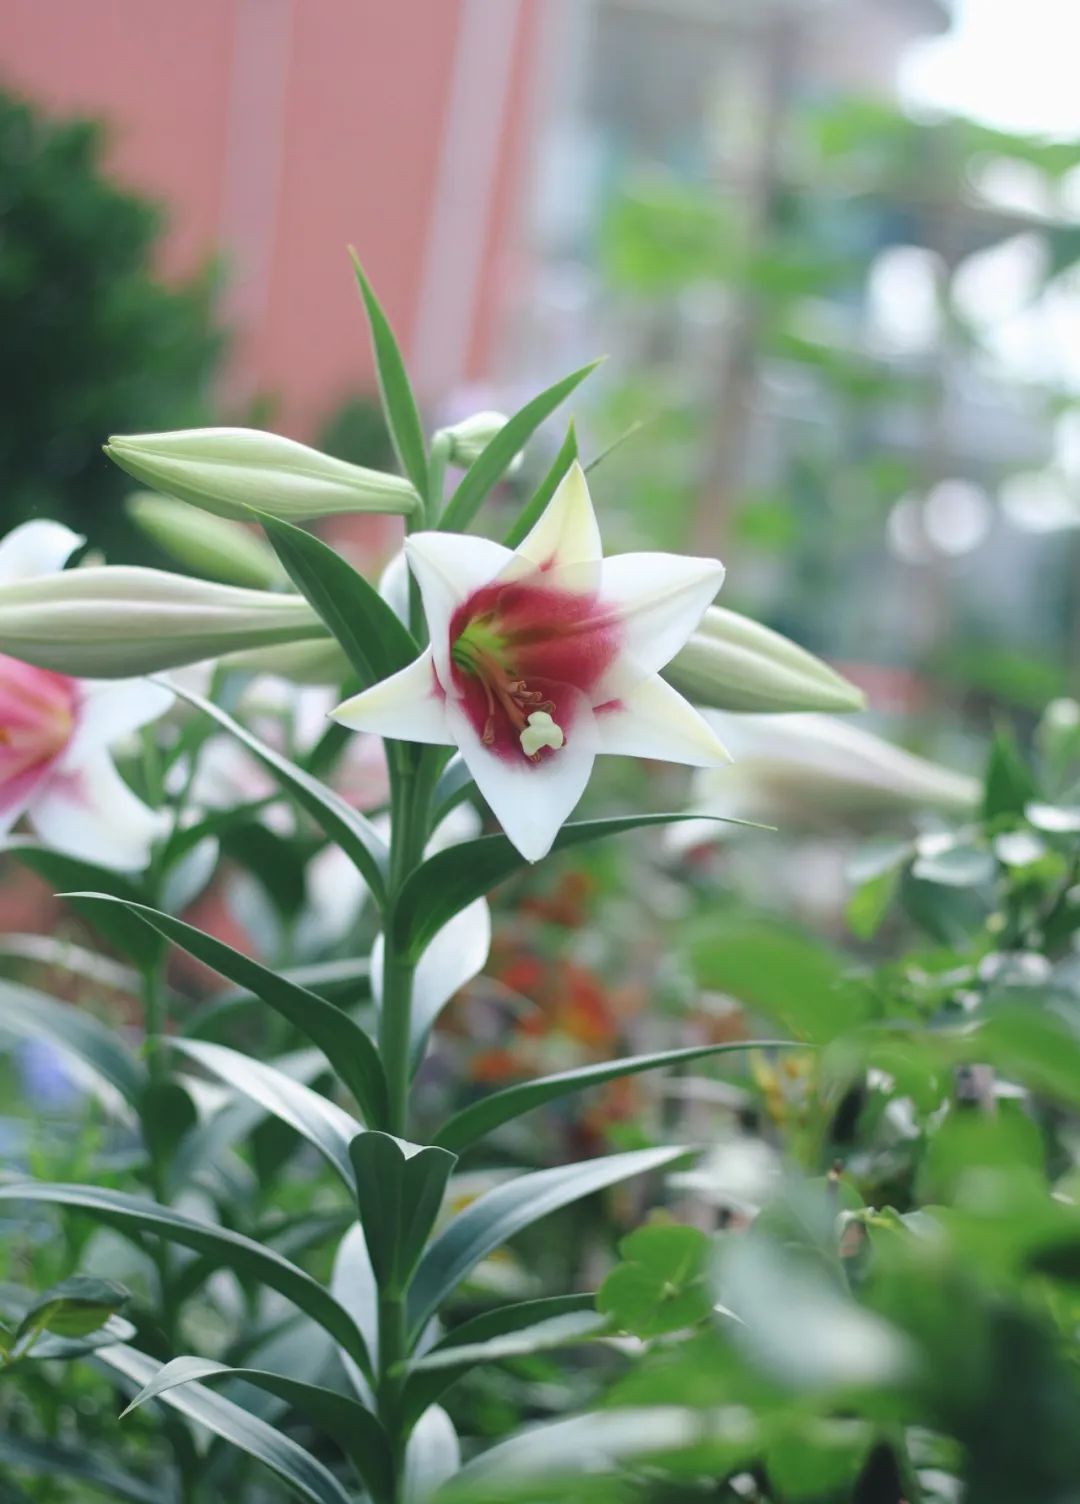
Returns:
<point x="831" y="247"/>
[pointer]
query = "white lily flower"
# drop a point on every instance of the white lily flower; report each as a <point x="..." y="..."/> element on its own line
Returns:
<point x="55" y="732"/>
<point x="544" y="657"/>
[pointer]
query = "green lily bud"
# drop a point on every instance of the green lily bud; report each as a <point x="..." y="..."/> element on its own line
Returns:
<point x="733" y="663"/>
<point x="118" y="621"/>
<point x="209" y="545"/>
<point x="319" y="661"/>
<point x="227" y="471"/>
<point x="466" y="441"/>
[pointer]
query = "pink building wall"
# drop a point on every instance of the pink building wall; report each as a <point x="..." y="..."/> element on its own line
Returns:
<point x="278" y="132"/>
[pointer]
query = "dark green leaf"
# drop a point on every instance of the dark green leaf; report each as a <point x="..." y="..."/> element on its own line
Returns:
<point x="51" y="1460"/>
<point x="272" y="860"/>
<point x="356" y="836"/>
<point x="325" y="1125"/>
<point x="532" y="510"/>
<point x="450" y="880"/>
<point x="480" y="1118"/>
<point x="303" y="1474"/>
<point x="166" y="1113"/>
<point x="424" y="1385"/>
<point x="340" y="982"/>
<point x="399" y="404"/>
<point x="505" y="1211"/>
<point x="75" y="1032"/>
<point x="68" y="873"/>
<point x="348" y="1049"/>
<point x="399" y="1196"/>
<point x="247" y="1258"/>
<point x="375" y="642"/>
<point x="497" y="456"/>
<point x="73" y="1308"/>
<point x="353" y="1427"/>
<point x="1008" y="785"/>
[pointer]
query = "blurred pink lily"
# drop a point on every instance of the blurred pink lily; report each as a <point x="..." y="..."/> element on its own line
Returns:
<point x="542" y="658"/>
<point x="55" y="731"/>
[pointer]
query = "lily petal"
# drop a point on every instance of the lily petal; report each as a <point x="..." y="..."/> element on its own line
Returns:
<point x="567" y="531"/>
<point x="531" y="800"/>
<point x="16" y="794"/>
<point x="90" y="812"/>
<point x="448" y="567"/>
<point x="409" y="706"/>
<point x="35" y="548"/>
<point x="653" y="720"/>
<point x="110" y="709"/>
<point x="660" y="599"/>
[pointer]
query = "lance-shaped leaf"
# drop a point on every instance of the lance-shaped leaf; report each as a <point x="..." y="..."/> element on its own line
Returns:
<point x="375" y="642"/>
<point x="354" y="1428"/>
<point x="356" y="836"/>
<point x="325" y="1125"/>
<point x="247" y="1258"/>
<point x="77" y="1034"/>
<point x="431" y="1374"/>
<point x="499" y="454"/>
<point x="399" y="1190"/>
<point x="482" y="1117"/>
<point x="341" y="982"/>
<point x="399" y="404"/>
<point x="348" y="1049"/>
<point x="304" y="1474"/>
<point x="73" y="1308"/>
<point x="51" y="1460"/>
<point x="443" y="885"/>
<point x="507" y="1210"/>
<point x="66" y="873"/>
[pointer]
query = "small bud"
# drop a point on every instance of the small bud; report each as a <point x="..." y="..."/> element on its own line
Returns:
<point x="211" y="546"/>
<point x="734" y="663"/>
<point x="227" y="471"/>
<point x="466" y="441"/>
<point x="119" y="621"/>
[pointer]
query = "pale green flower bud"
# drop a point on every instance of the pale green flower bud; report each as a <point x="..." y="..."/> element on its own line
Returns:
<point x="210" y="546"/>
<point x="466" y="441"/>
<point x="118" y="621"/>
<point x="319" y="661"/>
<point x="733" y="663"/>
<point x="229" y="470"/>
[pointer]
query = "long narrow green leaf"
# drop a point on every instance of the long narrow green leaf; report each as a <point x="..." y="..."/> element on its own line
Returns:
<point x="482" y="1117"/>
<point x="496" y="457"/>
<point x="427" y="1380"/>
<point x="375" y="642"/>
<point x="505" y="1211"/>
<point x="399" y="404"/>
<point x="532" y="510"/>
<point x="339" y="982"/>
<point x="303" y="1474"/>
<point x="247" y="1258"/>
<point x="451" y="879"/>
<point x="51" y="1460"/>
<point x="74" y="1031"/>
<point x="325" y="1125"/>
<point x="62" y="872"/>
<point x="356" y="836"/>
<point x="348" y="1049"/>
<point x="354" y="1428"/>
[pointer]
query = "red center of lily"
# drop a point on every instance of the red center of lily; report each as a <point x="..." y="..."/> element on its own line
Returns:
<point x="524" y="655"/>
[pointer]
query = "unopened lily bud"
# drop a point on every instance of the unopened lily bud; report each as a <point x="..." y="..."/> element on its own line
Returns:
<point x="119" y="621"/>
<point x="209" y="545"/>
<point x="734" y="663"/>
<point x="812" y="772"/>
<point x="319" y="661"/>
<point x="227" y="471"/>
<point x="467" y="440"/>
